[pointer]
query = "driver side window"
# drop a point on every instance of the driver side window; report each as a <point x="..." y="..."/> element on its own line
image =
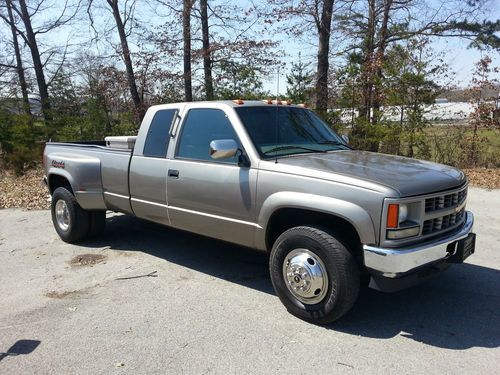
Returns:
<point x="202" y="126"/>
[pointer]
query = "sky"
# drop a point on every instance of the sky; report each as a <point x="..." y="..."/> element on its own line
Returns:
<point x="455" y="51"/>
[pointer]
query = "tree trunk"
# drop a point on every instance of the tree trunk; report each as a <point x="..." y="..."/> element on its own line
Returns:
<point x="139" y="108"/>
<point x="186" y="31"/>
<point x="379" y="58"/>
<point x="37" y="64"/>
<point x="207" y="60"/>
<point x="367" y="75"/>
<point x="19" y="62"/>
<point x="324" y="28"/>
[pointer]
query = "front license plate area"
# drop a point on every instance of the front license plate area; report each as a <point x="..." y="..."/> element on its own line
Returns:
<point x="465" y="248"/>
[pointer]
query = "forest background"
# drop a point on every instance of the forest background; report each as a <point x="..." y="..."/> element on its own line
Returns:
<point x="373" y="69"/>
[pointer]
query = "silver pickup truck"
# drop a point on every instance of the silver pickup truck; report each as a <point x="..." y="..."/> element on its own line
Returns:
<point x="274" y="177"/>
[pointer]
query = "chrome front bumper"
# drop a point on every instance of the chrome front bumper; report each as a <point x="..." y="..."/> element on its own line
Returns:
<point x="395" y="262"/>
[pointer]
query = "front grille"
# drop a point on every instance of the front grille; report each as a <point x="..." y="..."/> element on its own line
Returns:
<point x="448" y="203"/>
<point x="445" y="201"/>
<point x="443" y="222"/>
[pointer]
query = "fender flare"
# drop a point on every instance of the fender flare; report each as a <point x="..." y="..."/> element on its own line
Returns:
<point x="60" y="172"/>
<point x="352" y="213"/>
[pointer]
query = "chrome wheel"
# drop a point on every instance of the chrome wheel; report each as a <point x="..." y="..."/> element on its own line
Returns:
<point x="62" y="215"/>
<point x="305" y="276"/>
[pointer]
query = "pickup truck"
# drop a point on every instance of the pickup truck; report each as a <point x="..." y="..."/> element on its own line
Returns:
<point x="274" y="177"/>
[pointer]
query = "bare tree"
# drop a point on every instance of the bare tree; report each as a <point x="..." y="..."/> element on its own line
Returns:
<point x="207" y="60"/>
<point x="125" y="54"/>
<point x="26" y="12"/>
<point x="19" y="63"/>
<point x="186" y="32"/>
<point x="304" y="16"/>
<point x="38" y="66"/>
<point x="324" y="27"/>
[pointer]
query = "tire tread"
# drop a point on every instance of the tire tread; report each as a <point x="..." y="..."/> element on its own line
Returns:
<point x="347" y="269"/>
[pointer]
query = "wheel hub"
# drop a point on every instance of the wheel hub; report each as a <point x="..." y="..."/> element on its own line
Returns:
<point x="62" y="215"/>
<point x="305" y="276"/>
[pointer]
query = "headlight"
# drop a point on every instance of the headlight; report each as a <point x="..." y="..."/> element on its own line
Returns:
<point x="396" y="234"/>
<point x="403" y="220"/>
<point x="403" y="213"/>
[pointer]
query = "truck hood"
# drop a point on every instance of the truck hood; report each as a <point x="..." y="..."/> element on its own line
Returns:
<point x="406" y="176"/>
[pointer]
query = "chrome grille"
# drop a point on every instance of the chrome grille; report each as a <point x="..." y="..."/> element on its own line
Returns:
<point x="445" y="201"/>
<point x="443" y="222"/>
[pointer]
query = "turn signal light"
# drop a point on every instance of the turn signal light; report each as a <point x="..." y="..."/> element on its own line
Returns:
<point x="392" y="216"/>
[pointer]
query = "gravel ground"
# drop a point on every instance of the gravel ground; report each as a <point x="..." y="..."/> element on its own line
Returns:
<point x="148" y="299"/>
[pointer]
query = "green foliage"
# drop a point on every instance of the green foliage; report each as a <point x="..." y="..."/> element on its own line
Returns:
<point x="18" y="135"/>
<point x="66" y="120"/>
<point x="238" y="81"/>
<point x="483" y="34"/>
<point x="349" y="81"/>
<point x="300" y="83"/>
<point x="452" y="145"/>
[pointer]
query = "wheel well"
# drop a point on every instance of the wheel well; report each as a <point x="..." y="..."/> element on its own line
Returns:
<point x="56" y="181"/>
<point x="287" y="218"/>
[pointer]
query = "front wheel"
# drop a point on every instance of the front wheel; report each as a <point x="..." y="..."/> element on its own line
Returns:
<point x="313" y="274"/>
<point x="70" y="220"/>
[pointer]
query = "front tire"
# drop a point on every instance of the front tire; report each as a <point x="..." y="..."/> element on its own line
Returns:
<point x="313" y="274"/>
<point x="70" y="220"/>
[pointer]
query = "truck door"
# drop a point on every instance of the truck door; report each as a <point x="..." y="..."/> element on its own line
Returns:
<point x="211" y="197"/>
<point x="148" y="168"/>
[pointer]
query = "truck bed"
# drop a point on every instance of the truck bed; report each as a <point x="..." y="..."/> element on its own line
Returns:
<point x="98" y="174"/>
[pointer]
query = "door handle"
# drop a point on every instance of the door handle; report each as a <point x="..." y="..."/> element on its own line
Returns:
<point x="173" y="173"/>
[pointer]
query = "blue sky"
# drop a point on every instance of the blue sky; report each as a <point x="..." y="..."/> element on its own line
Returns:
<point x="456" y="53"/>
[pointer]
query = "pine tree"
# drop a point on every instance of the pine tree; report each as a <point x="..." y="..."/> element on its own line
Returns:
<point x="299" y="82"/>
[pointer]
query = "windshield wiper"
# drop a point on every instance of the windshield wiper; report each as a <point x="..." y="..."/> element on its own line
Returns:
<point x="334" y="143"/>
<point x="281" y="148"/>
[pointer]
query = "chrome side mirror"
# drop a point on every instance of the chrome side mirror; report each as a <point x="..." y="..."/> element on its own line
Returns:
<point x="223" y="148"/>
<point x="345" y="138"/>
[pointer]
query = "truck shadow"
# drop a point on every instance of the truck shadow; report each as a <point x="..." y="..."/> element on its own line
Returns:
<point x="229" y="262"/>
<point x="458" y="310"/>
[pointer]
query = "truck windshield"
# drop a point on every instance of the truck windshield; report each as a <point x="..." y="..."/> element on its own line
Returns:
<point x="281" y="131"/>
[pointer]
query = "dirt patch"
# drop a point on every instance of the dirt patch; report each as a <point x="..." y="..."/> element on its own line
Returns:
<point x="60" y="295"/>
<point x="87" y="260"/>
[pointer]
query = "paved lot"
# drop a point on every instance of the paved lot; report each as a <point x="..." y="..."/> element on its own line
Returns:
<point x="209" y="307"/>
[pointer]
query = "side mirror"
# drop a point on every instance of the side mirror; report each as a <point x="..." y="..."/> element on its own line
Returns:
<point x="223" y="148"/>
<point x="345" y="138"/>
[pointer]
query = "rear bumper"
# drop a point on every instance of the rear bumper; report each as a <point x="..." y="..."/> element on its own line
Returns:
<point x="395" y="263"/>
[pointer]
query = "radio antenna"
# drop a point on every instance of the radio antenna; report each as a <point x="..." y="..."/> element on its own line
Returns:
<point x="276" y="114"/>
<point x="277" y="84"/>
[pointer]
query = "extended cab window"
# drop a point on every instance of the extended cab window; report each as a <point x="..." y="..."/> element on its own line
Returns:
<point x="202" y="126"/>
<point x="158" y="134"/>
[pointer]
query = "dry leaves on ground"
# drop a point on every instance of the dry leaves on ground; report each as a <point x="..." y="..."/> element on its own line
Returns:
<point x="30" y="193"/>
<point x="27" y="191"/>
<point x="488" y="178"/>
